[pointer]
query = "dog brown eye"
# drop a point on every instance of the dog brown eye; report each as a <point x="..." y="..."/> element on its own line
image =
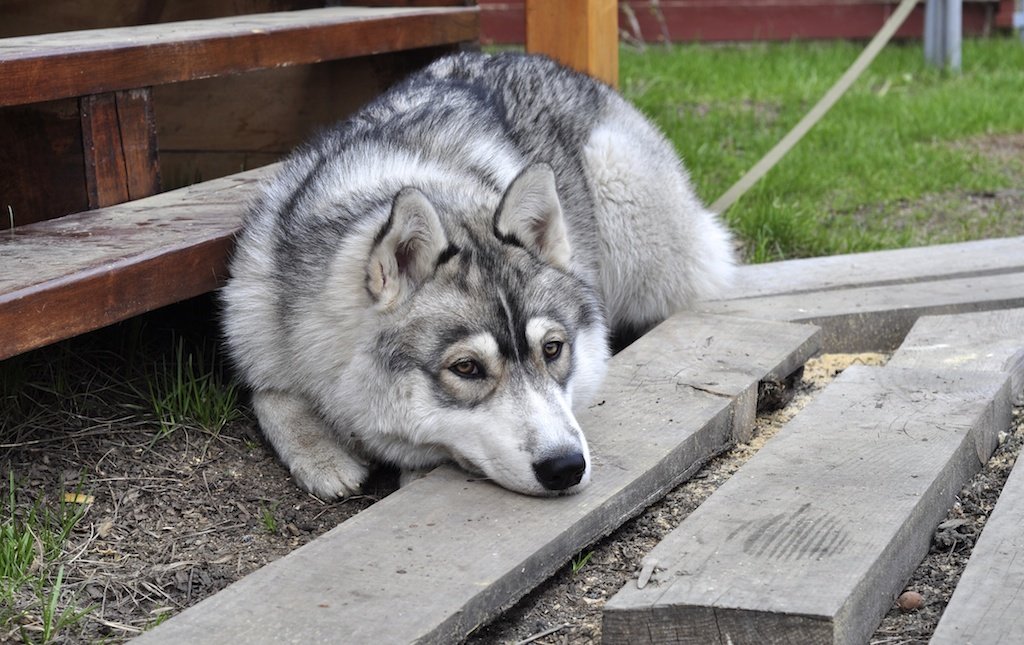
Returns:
<point x="552" y="349"/>
<point x="467" y="368"/>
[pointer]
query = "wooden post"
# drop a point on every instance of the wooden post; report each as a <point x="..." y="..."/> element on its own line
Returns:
<point x="583" y="34"/>
<point x="119" y="141"/>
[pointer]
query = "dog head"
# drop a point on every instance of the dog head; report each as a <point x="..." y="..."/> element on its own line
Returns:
<point x="486" y="340"/>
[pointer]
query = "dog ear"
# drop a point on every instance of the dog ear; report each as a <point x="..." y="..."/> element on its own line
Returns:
<point x="407" y="248"/>
<point x="531" y="215"/>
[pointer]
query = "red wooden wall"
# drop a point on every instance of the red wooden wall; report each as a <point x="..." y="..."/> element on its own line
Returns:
<point x="737" y="20"/>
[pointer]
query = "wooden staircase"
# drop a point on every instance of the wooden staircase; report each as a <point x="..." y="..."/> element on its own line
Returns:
<point x="64" y="269"/>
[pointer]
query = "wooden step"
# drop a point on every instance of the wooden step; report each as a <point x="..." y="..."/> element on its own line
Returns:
<point x="444" y="554"/>
<point x="77" y="273"/>
<point x="869" y="301"/>
<point x="77" y="63"/>
<point x="811" y="539"/>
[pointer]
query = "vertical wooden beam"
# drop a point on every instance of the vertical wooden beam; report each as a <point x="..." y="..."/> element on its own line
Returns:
<point x="583" y="34"/>
<point x="105" y="175"/>
<point x="119" y="141"/>
<point x="138" y="142"/>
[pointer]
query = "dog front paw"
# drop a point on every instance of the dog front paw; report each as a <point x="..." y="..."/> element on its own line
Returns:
<point x="330" y="472"/>
<point x="305" y="445"/>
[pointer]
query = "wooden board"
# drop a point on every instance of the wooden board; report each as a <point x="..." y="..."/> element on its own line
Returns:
<point x="810" y="540"/>
<point x="444" y="554"/>
<point x="138" y="140"/>
<point x="81" y="272"/>
<point x="269" y="111"/>
<point x="988" y="605"/>
<point x="984" y="341"/>
<point x="106" y="177"/>
<point x="880" y="268"/>
<point x="879" y="317"/>
<point x="77" y="63"/>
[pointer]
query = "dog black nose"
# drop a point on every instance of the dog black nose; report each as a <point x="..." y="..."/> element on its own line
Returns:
<point x="559" y="473"/>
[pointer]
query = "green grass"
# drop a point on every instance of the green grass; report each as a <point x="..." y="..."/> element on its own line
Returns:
<point x="268" y="520"/>
<point x="33" y="538"/>
<point x="579" y="561"/>
<point x="190" y="392"/>
<point x="888" y="141"/>
<point x="76" y="388"/>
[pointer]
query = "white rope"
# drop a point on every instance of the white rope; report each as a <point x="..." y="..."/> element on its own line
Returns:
<point x="834" y="93"/>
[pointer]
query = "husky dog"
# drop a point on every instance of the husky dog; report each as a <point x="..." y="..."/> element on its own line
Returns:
<point x="436" y="278"/>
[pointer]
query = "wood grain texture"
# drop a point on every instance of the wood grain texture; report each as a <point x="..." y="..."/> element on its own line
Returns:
<point x="988" y="603"/>
<point x="119" y="147"/>
<point x="583" y="34"/>
<point x="25" y="17"/>
<point x="106" y="177"/>
<point x="81" y="272"/>
<point x="444" y="554"/>
<point x="46" y="67"/>
<point x="812" y="538"/>
<point x="137" y="124"/>
<point x="983" y="341"/>
<point x="879" y="317"/>
<point x="880" y="268"/>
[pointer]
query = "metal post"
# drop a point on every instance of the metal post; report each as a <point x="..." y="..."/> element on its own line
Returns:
<point x="1018" y="19"/>
<point x="943" y="33"/>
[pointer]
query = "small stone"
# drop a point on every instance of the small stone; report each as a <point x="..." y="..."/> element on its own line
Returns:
<point x="910" y="601"/>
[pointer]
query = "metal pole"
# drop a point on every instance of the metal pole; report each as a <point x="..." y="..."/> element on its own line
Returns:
<point x="1018" y="19"/>
<point x="932" y="35"/>
<point x="943" y="33"/>
<point x="954" y="29"/>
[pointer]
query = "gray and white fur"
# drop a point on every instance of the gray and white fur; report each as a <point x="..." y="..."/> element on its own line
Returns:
<point x="436" y="278"/>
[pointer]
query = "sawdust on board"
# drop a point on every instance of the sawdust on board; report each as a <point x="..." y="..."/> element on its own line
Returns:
<point x="818" y="372"/>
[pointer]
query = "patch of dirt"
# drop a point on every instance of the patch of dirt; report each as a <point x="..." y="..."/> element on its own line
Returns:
<point x="950" y="217"/>
<point x="1007" y="150"/>
<point x="176" y="518"/>
<point x="957" y="215"/>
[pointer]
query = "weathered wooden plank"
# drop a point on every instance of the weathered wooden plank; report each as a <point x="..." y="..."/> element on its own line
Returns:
<point x="583" y="34"/>
<point x="119" y="147"/>
<point x="106" y="178"/>
<point x="444" y="554"/>
<point x="880" y="268"/>
<point x="988" y="604"/>
<point x="78" y="63"/>
<point x="137" y="123"/>
<point x="879" y="317"/>
<point x="62" y="277"/>
<point x="988" y="341"/>
<point x="811" y="539"/>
